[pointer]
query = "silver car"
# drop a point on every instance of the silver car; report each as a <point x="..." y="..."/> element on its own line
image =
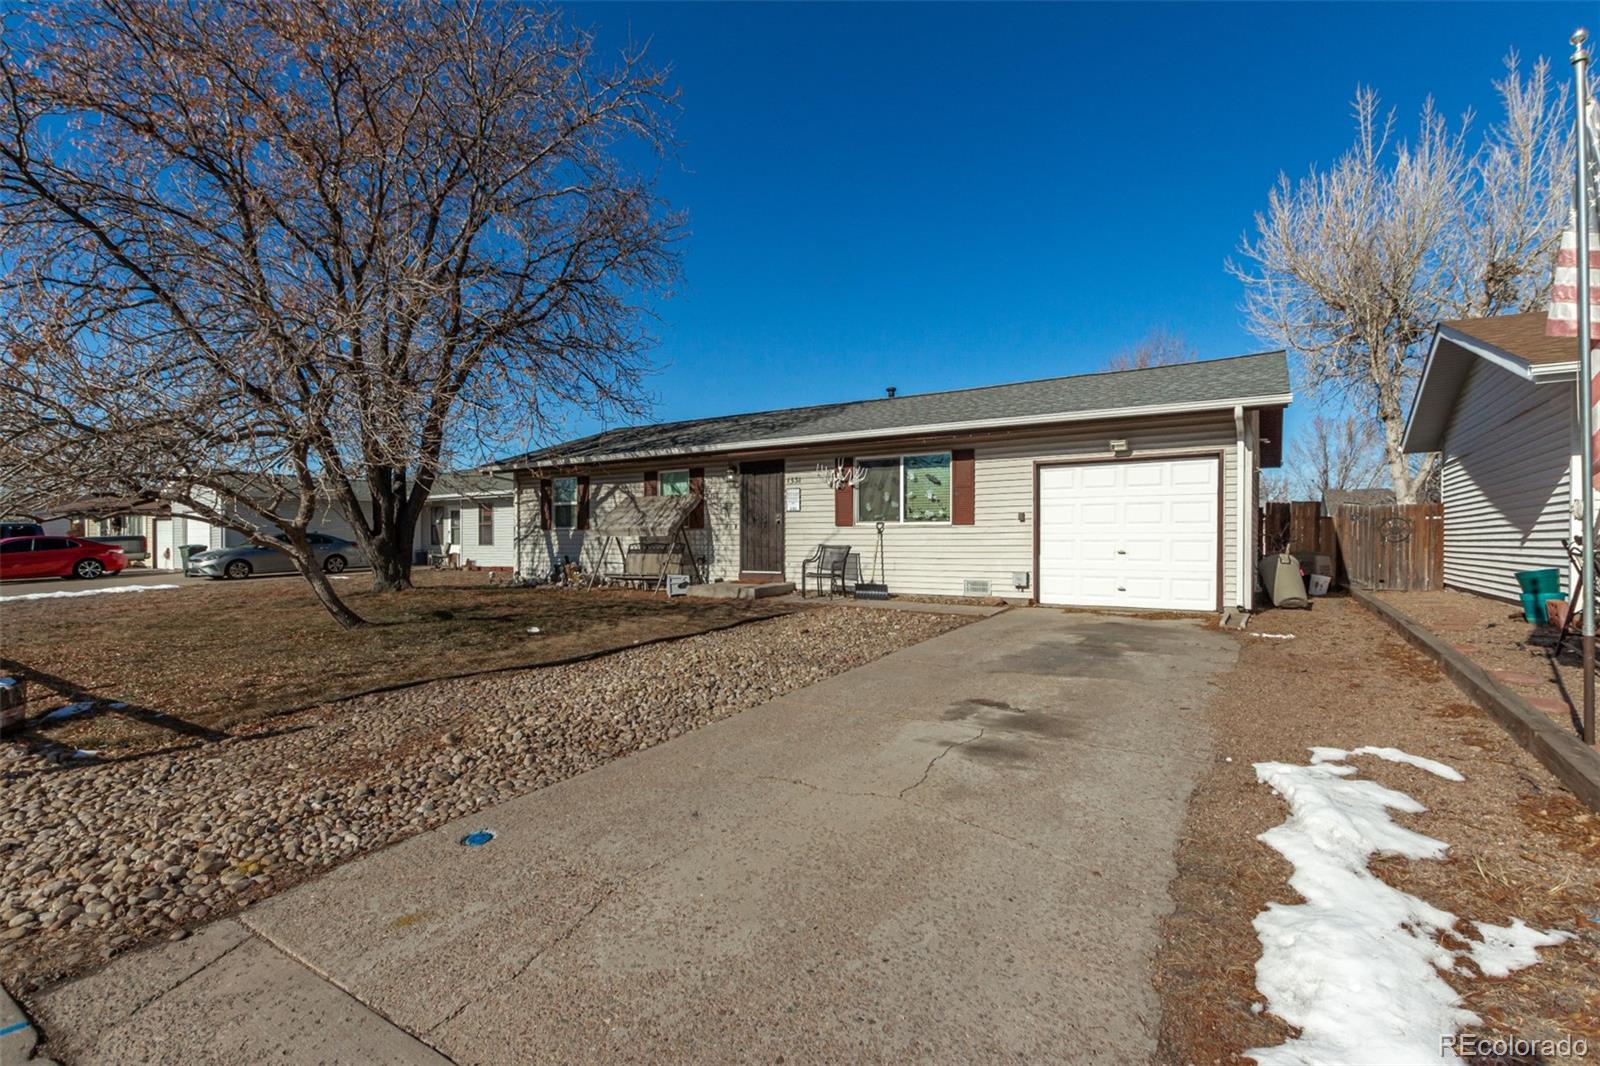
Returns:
<point x="334" y="554"/>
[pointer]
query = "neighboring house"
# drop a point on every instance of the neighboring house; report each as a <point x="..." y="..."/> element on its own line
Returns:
<point x="472" y="519"/>
<point x="1125" y="489"/>
<point x="191" y="528"/>
<point x="1498" y="399"/>
<point x="123" y="518"/>
<point x="1334" y="499"/>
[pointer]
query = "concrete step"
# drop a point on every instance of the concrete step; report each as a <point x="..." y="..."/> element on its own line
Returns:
<point x="738" y="590"/>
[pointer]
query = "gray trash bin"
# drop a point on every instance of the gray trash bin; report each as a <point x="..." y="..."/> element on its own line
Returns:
<point x="1280" y="576"/>
<point x="186" y="550"/>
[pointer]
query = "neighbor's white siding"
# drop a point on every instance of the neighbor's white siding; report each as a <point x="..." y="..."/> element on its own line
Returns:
<point x="934" y="559"/>
<point x="501" y="553"/>
<point x="1506" y="480"/>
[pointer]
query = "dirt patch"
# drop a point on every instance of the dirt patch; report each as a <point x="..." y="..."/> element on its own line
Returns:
<point x="1493" y="634"/>
<point x="207" y="660"/>
<point x="1517" y="839"/>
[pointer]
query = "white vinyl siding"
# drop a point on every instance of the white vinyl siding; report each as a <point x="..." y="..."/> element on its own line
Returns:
<point x="1506" y="480"/>
<point x="934" y="559"/>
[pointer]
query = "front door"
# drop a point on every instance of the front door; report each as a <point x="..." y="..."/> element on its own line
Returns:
<point x="761" y="519"/>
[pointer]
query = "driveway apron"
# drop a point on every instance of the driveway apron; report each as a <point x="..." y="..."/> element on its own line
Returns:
<point x="958" y="852"/>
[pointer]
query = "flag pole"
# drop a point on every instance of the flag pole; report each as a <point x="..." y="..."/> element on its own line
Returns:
<point x="1580" y="64"/>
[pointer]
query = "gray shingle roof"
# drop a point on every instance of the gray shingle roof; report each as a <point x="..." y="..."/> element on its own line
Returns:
<point x="1212" y="381"/>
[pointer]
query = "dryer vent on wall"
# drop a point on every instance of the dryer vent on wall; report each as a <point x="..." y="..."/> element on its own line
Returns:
<point x="974" y="586"/>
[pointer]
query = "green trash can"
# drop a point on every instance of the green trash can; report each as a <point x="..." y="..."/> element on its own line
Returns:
<point x="1537" y="587"/>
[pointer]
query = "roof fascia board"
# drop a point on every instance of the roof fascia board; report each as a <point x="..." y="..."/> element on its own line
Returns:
<point x="1484" y="350"/>
<point x="924" y="429"/>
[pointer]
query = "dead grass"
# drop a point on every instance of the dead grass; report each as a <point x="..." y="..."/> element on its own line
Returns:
<point x="218" y="655"/>
<point x="1520" y="845"/>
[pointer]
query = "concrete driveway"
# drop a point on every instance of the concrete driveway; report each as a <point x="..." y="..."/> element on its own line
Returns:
<point x="958" y="852"/>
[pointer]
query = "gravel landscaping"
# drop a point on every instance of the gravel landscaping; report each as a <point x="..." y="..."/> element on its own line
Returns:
<point x="101" y="856"/>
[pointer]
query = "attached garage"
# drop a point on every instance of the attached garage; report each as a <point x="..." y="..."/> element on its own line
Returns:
<point x="1142" y="533"/>
<point x="1133" y="489"/>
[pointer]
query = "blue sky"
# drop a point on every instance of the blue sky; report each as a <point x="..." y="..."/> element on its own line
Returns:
<point x="942" y="196"/>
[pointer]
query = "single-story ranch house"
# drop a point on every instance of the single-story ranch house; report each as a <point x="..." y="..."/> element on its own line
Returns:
<point x="1122" y="489"/>
<point x="1499" y="400"/>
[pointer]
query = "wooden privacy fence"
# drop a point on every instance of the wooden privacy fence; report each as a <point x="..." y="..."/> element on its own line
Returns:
<point x="1399" y="547"/>
<point x="1396" y="546"/>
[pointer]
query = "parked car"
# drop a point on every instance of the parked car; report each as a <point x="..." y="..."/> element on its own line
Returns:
<point x="334" y="554"/>
<point x="135" y="548"/>
<point x="58" y="557"/>
<point x="20" y="529"/>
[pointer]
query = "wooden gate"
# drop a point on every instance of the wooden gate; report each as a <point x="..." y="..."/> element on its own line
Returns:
<point x="1398" y="547"/>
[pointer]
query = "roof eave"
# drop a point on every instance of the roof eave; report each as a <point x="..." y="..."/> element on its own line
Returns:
<point x="979" y="425"/>
<point x="1425" y="423"/>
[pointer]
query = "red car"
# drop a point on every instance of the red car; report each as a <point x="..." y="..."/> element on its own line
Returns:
<point x="58" y="557"/>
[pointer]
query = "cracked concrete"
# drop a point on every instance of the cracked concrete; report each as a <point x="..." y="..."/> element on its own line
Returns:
<point x="957" y="852"/>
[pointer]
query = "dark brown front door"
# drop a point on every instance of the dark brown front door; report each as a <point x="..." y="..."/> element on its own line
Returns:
<point x="761" y="518"/>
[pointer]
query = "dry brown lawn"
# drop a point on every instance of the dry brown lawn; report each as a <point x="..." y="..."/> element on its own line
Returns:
<point x="1520" y="845"/>
<point x="213" y="656"/>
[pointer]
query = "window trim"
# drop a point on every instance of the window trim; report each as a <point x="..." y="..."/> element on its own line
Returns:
<point x="556" y="503"/>
<point x="900" y="460"/>
<point x="486" y="512"/>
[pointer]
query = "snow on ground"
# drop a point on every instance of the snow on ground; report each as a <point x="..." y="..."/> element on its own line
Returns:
<point x="1356" y="967"/>
<point x="85" y="592"/>
<point x="69" y="710"/>
<point x="1437" y="769"/>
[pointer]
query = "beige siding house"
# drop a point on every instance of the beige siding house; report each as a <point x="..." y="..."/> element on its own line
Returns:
<point x="470" y="519"/>
<point x="1498" y="401"/>
<point x="1128" y="489"/>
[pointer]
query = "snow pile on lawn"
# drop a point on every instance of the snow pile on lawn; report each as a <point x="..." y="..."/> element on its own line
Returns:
<point x="1357" y="966"/>
<point x="84" y="592"/>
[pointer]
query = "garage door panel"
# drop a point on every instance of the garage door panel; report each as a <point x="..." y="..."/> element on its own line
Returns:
<point x="1136" y="533"/>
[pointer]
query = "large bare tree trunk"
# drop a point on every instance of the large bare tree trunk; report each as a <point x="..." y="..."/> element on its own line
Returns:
<point x="391" y="563"/>
<point x="329" y="599"/>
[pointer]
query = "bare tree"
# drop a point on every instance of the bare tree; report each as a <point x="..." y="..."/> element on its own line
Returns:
<point x="299" y="252"/>
<point x="1336" y="454"/>
<point x="1350" y="268"/>
<point x="1159" y="347"/>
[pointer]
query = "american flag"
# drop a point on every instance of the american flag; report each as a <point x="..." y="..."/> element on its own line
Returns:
<point x="1562" y="320"/>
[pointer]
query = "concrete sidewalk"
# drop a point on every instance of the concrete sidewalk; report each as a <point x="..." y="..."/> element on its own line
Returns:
<point x="958" y="852"/>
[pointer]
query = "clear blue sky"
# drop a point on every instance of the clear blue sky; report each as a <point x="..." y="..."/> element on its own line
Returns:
<point x="941" y="196"/>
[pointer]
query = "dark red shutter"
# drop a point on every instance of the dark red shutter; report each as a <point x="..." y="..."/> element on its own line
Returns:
<point x="652" y="483"/>
<point x="547" y="504"/>
<point x="583" y="502"/>
<point x="697" y="487"/>
<point x="962" y="505"/>
<point x="844" y="501"/>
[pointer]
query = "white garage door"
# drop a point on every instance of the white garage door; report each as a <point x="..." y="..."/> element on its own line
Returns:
<point x="1136" y="533"/>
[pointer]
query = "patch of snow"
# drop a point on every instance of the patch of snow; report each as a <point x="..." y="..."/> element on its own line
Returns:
<point x="1511" y="947"/>
<point x="85" y="592"/>
<point x="1274" y="636"/>
<point x="1437" y="769"/>
<point x="69" y="710"/>
<point x="1356" y="967"/>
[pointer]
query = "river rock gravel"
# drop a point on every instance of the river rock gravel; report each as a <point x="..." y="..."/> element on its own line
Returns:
<point x="97" y="857"/>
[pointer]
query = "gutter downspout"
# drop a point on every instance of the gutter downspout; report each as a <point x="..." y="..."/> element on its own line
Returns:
<point x="1246" y="586"/>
